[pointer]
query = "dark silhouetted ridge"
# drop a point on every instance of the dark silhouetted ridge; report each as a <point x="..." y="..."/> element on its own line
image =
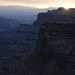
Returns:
<point x="59" y="16"/>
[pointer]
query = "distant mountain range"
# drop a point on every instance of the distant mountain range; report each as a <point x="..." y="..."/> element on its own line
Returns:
<point x="8" y="23"/>
<point x="24" y="14"/>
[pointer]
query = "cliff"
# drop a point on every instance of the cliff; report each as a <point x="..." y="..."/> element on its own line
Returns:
<point x="55" y="51"/>
<point x="54" y="55"/>
<point x="56" y="48"/>
<point x="59" y="16"/>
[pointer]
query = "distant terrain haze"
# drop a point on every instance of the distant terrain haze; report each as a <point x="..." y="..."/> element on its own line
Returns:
<point x="23" y="14"/>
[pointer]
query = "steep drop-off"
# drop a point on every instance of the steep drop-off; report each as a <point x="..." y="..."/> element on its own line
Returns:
<point x="56" y="48"/>
<point x="54" y="55"/>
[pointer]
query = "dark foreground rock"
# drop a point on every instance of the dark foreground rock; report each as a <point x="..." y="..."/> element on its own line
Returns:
<point x="54" y="55"/>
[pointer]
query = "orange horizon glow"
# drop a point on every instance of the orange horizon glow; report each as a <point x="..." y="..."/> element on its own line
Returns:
<point x="66" y="8"/>
<point x="39" y="5"/>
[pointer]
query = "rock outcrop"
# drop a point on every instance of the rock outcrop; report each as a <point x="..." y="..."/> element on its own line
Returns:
<point x="54" y="55"/>
<point x="59" y="16"/>
<point x="56" y="48"/>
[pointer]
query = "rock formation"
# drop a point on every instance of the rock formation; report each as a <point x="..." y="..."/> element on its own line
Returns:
<point x="55" y="51"/>
<point x="56" y="47"/>
<point x="59" y="16"/>
<point x="54" y="55"/>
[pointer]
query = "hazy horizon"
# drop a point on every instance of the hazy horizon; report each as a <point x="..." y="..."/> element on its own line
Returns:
<point x="35" y="6"/>
<point x="27" y="6"/>
<point x="39" y="3"/>
<point x="24" y="14"/>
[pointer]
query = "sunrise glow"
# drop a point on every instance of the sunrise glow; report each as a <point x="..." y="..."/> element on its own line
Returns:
<point x="66" y="8"/>
<point x="40" y="3"/>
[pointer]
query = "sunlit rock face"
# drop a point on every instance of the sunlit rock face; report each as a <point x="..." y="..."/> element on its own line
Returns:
<point x="59" y="15"/>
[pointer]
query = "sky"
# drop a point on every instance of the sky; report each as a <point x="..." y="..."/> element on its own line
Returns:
<point x="39" y="3"/>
